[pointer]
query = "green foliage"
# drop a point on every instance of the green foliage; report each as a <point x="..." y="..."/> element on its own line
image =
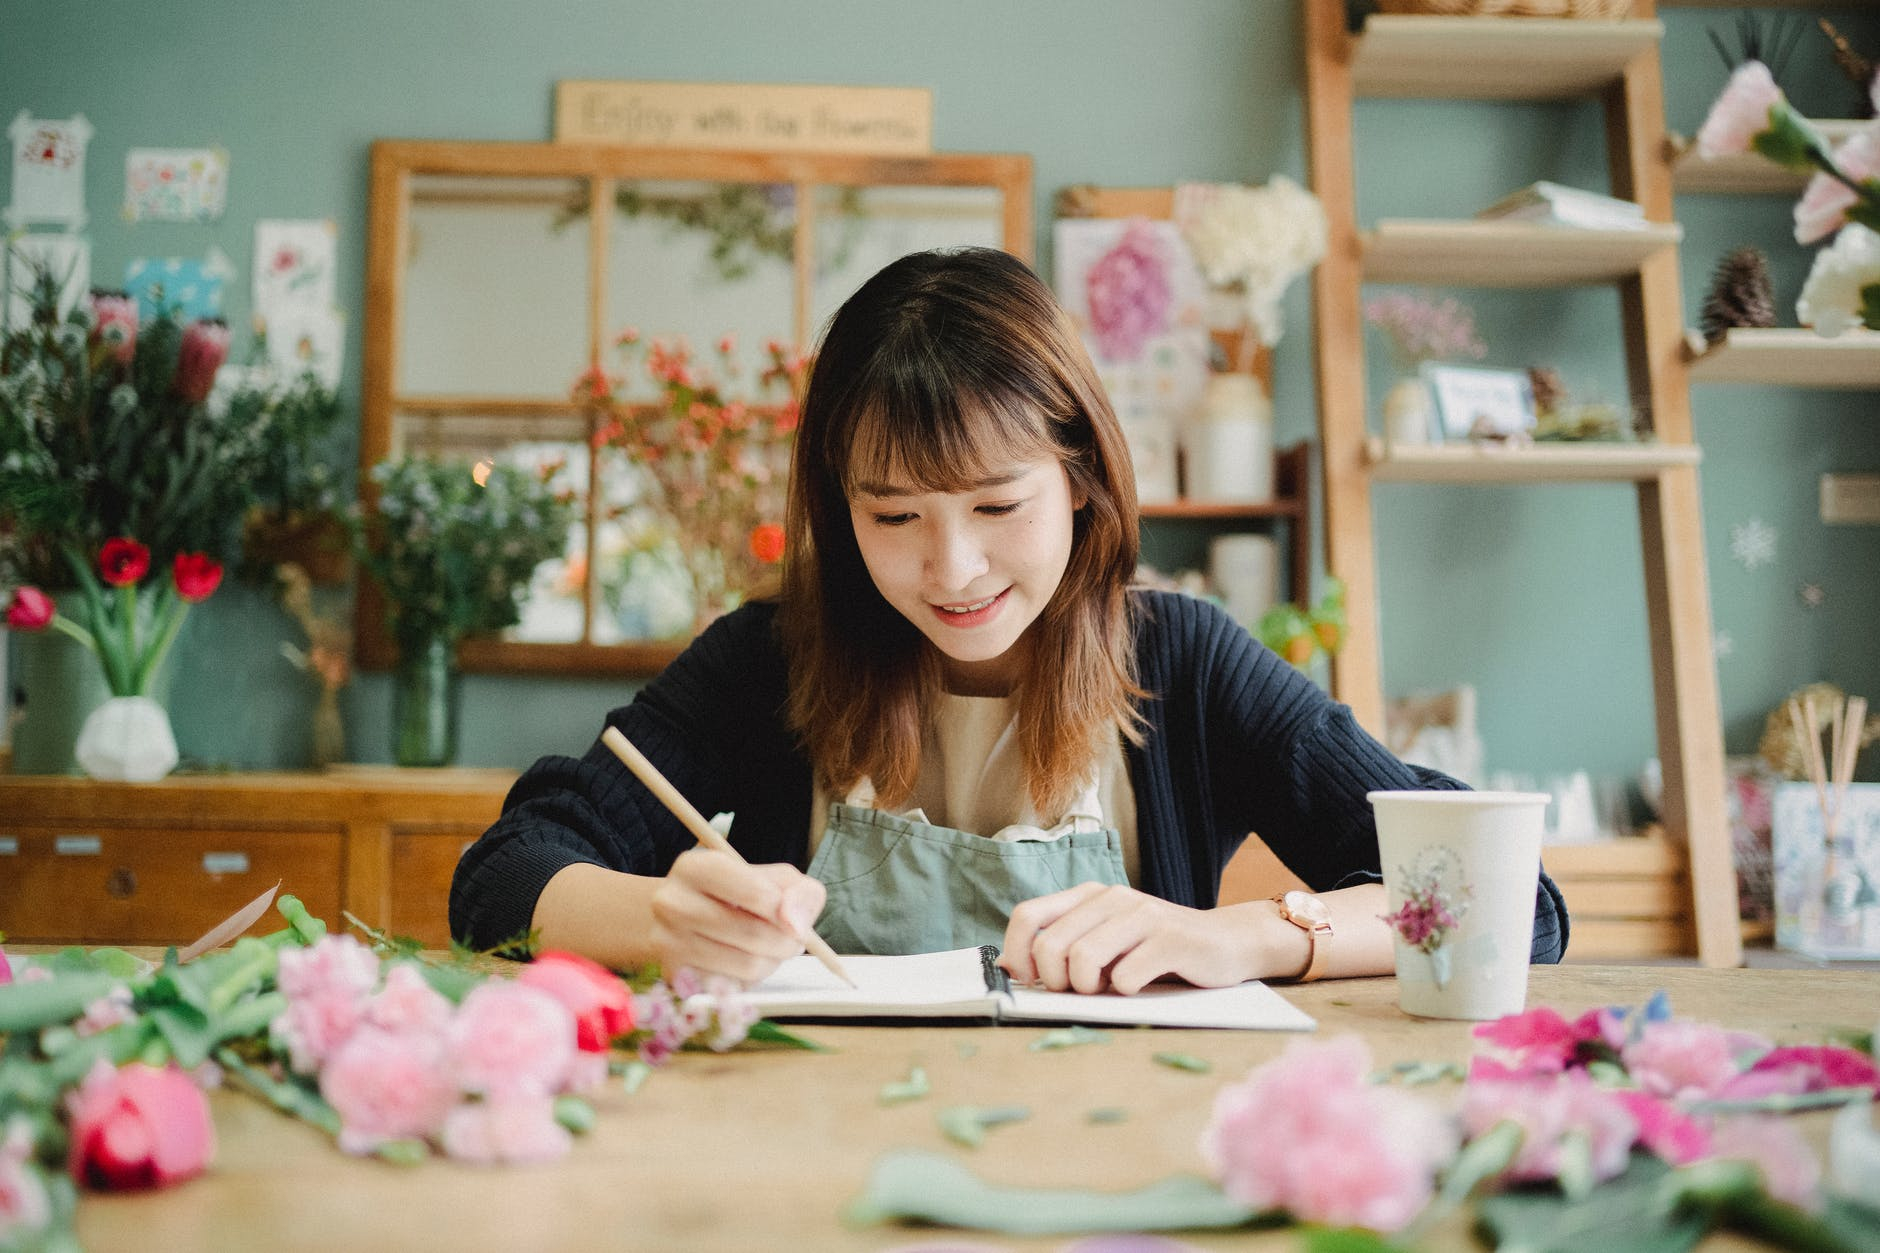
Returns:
<point x="453" y="556"/>
<point x="1300" y="634"/>
<point x="297" y="474"/>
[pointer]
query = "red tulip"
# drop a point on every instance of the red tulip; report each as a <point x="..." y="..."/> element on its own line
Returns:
<point x="600" y="1002"/>
<point x="767" y="542"/>
<point x="138" y="1127"/>
<point x="30" y="609"/>
<point x="197" y="576"/>
<point x="114" y="325"/>
<point x="123" y="561"/>
<point x="205" y="347"/>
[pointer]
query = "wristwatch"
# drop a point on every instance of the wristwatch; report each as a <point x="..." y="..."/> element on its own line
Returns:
<point x="1309" y="914"/>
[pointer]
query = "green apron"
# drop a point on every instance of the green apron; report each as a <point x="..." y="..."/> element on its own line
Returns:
<point x="900" y="884"/>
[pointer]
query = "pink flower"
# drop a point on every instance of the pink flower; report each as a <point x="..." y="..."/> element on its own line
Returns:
<point x="1540" y="1041"/>
<point x="312" y="1028"/>
<point x="515" y="1128"/>
<point x="1548" y="1110"/>
<point x="113" y="1009"/>
<point x="1822" y="210"/>
<point x="735" y="1012"/>
<point x="601" y="1003"/>
<point x="1307" y="1133"/>
<point x="337" y="963"/>
<point x="408" y="1003"/>
<point x="30" y="609"/>
<point x="25" y="1206"/>
<point x="137" y="1127"/>
<point x="1779" y="1153"/>
<point x="1664" y="1129"/>
<point x="114" y="325"/>
<point x="6" y="968"/>
<point x="507" y="1038"/>
<point x="1129" y="294"/>
<point x="1686" y="1060"/>
<point x="387" y="1085"/>
<point x="1794" y="1069"/>
<point x="1741" y="113"/>
<point x="204" y="349"/>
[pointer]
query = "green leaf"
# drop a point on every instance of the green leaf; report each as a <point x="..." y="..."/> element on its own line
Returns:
<point x="575" y="1114"/>
<point x="402" y="1152"/>
<point x="290" y="1095"/>
<point x="30" y="1006"/>
<point x="966" y="1124"/>
<point x="1870" y="306"/>
<point x="1791" y="140"/>
<point x="1622" y="1215"/>
<point x="1344" y="1240"/>
<point x="1185" y="1061"/>
<point x="635" y="1073"/>
<point x="1068" y="1037"/>
<point x="765" y="1031"/>
<point x="1480" y="1160"/>
<point x="1105" y="1114"/>
<point x="911" y="1088"/>
<point x="307" y="929"/>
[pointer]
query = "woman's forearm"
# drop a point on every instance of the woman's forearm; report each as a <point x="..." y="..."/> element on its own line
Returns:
<point x="597" y="912"/>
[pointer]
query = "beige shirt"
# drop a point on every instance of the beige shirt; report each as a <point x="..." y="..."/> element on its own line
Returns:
<point x="973" y="779"/>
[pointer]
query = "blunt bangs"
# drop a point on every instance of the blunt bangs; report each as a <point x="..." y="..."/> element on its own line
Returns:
<point x="942" y="442"/>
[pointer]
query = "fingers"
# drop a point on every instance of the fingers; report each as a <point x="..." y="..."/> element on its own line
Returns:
<point x="1031" y="917"/>
<point x="1070" y="941"/>
<point x="718" y="915"/>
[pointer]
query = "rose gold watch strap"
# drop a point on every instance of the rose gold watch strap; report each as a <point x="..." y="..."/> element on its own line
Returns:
<point x="1319" y="936"/>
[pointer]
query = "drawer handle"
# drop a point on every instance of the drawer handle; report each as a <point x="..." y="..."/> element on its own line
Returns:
<point x="225" y="863"/>
<point x="120" y="884"/>
<point x="77" y="845"/>
<point x="9" y="846"/>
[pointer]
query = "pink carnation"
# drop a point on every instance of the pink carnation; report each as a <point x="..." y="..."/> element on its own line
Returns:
<point x="1741" y="113"/>
<point x="516" y="1128"/>
<point x="408" y="1003"/>
<point x="1664" y="1129"/>
<point x="1686" y="1060"/>
<point x="335" y="963"/>
<point x="510" y="1039"/>
<point x="1548" y="1110"/>
<point x="387" y="1085"/>
<point x="1538" y="1041"/>
<point x="1309" y="1134"/>
<point x="1779" y="1153"/>
<point x="313" y="1027"/>
<point x="113" y="1009"/>
<point x="1822" y="210"/>
<point x="1129" y="294"/>
<point x="1794" y="1069"/>
<point x="25" y="1206"/>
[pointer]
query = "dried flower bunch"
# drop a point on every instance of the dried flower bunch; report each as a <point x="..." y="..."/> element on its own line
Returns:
<point x="1256" y="239"/>
<point x="1422" y="328"/>
<point x="454" y="546"/>
<point x="1841" y="200"/>
<point x="717" y="465"/>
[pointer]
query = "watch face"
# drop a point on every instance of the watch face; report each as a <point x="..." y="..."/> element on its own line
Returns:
<point x="1306" y="906"/>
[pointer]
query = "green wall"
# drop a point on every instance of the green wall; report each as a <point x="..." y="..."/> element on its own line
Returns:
<point x="1533" y="595"/>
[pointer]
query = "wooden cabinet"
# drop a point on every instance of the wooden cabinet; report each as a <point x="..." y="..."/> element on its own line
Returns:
<point x="86" y="862"/>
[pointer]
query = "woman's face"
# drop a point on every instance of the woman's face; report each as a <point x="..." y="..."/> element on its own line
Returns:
<point x="972" y="570"/>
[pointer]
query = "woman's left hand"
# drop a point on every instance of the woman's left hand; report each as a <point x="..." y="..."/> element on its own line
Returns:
<point x="1097" y="937"/>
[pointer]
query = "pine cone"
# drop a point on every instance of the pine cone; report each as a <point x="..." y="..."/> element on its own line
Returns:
<point x="1549" y="391"/>
<point x="1740" y="294"/>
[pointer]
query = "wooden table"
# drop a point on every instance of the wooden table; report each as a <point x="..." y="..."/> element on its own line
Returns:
<point x="761" y="1149"/>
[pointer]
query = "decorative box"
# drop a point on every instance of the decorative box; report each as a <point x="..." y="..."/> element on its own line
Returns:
<point x="1827" y="899"/>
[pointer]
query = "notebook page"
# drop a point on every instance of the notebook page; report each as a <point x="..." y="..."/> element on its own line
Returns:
<point x="918" y="985"/>
<point x="1249" y="1007"/>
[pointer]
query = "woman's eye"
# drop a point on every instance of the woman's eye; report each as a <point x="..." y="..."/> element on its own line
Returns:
<point x="893" y="519"/>
<point x="999" y="511"/>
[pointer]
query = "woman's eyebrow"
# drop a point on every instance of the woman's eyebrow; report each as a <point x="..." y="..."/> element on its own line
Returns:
<point x="883" y="490"/>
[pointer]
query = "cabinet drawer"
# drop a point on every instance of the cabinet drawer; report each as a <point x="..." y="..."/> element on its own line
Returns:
<point x="152" y="886"/>
<point x="422" y="864"/>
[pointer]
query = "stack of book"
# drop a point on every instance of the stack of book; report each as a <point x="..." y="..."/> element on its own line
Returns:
<point x="1566" y="206"/>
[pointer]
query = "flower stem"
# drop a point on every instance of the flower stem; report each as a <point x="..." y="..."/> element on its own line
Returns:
<point x="166" y="621"/>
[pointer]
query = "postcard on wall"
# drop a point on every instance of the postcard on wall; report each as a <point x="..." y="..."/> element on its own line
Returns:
<point x="190" y="286"/>
<point x="1136" y="294"/>
<point x="300" y="340"/>
<point x="66" y="257"/>
<point x="769" y="117"/>
<point x="175" y="184"/>
<point x="48" y="170"/>
<point x="294" y="270"/>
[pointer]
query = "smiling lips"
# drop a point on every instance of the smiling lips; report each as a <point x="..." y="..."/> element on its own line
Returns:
<point x="971" y="614"/>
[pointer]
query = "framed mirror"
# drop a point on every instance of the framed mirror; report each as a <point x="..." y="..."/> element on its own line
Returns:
<point x="493" y="286"/>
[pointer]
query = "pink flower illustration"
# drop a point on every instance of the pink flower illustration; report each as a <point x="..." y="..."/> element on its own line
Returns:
<point x="1740" y="113"/>
<point x="1128" y="293"/>
<point x="515" y="1128"/>
<point x="1309" y="1134"/>
<point x="387" y="1085"/>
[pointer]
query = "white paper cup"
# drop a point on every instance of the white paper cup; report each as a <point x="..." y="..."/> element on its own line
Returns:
<point x="1467" y="865"/>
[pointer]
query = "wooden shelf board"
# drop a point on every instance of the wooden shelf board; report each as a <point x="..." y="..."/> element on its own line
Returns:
<point x="1533" y="463"/>
<point x="1494" y="58"/>
<point x="1788" y="357"/>
<point x="1748" y="174"/>
<point x="1468" y="253"/>
<point x="1221" y="511"/>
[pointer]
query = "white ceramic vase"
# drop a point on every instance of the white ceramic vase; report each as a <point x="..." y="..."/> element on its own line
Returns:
<point x="1409" y="413"/>
<point x="1229" y="444"/>
<point x="127" y="739"/>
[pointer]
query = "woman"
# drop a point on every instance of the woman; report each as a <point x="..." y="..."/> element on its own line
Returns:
<point x="958" y="724"/>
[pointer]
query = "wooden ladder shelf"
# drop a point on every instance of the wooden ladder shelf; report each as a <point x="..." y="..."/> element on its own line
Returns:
<point x="1617" y="63"/>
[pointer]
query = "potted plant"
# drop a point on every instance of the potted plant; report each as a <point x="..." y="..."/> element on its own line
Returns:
<point x="297" y="517"/>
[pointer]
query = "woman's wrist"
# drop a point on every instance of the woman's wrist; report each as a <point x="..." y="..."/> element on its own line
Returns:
<point x="600" y="913"/>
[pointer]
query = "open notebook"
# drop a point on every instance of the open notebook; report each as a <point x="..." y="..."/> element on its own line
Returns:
<point x="968" y="983"/>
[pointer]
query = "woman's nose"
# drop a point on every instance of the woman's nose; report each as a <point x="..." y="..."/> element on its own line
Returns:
<point x="955" y="558"/>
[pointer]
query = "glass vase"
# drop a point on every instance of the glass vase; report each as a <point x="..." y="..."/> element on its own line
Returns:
<point x="426" y="702"/>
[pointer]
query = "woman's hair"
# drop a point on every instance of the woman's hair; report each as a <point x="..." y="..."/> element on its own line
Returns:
<point x="943" y="366"/>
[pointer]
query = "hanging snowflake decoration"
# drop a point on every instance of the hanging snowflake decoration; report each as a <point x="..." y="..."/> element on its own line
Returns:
<point x="1753" y="543"/>
<point x="1813" y="595"/>
<point x="1723" y="645"/>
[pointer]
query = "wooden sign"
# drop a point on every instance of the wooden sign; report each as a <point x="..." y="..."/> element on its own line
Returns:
<point x="869" y="121"/>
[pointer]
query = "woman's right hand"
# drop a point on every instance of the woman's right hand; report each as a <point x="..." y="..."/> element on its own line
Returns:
<point x="719" y="915"/>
